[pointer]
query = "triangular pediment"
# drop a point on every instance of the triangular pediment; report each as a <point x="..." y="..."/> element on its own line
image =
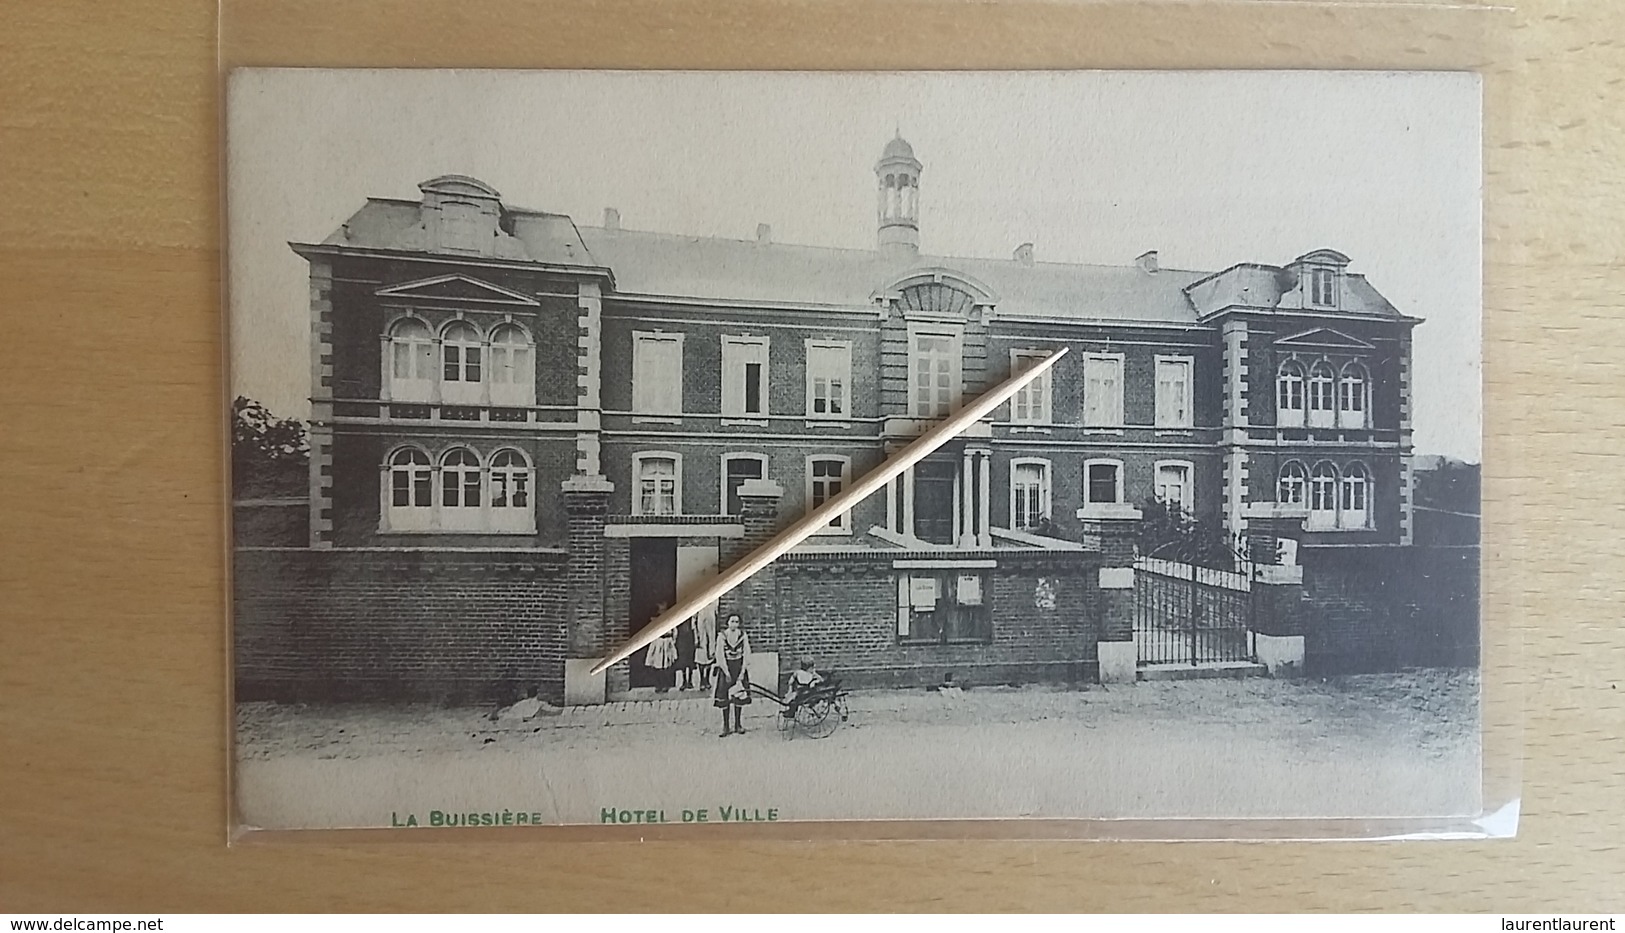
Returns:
<point x="1323" y="338"/>
<point x="456" y="288"/>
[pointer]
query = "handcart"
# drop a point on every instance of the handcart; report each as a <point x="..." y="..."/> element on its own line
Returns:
<point x="817" y="712"/>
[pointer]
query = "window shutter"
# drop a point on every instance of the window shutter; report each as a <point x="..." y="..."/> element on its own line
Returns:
<point x="733" y="379"/>
<point x="1103" y="391"/>
<point x="657" y="375"/>
<point x="904" y="610"/>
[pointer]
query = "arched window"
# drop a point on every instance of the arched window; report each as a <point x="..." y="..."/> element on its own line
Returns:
<point x="1323" y="496"/>
<point x="1320" y="395"/>
<point x="462" y="369"/>
<point x="1030" y="493"/>
<point x="411" y="361"/>
<point x="513" y="369"/>
<point x="1172" y="484"/>
<point x="1355" y="498"/>
<point x="460" y="486"/>
<point x="408" y="491"/>
<point x="511" y="505"/>
<point x="1289" y="396"/>
<point x="657" y="482"/>
<point x="1353" y="397"/>
<point x="1289" y="490"/>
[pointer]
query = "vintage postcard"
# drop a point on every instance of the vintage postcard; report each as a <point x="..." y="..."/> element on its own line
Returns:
<point x="519" y="358"/>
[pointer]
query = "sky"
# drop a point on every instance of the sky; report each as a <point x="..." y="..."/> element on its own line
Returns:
<point x="1208" y="168"/>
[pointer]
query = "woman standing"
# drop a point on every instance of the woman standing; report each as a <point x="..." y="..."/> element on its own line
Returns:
<point x="661" y="656"/>
<point x="733" y="680"/>
<point x="705" y="642"/>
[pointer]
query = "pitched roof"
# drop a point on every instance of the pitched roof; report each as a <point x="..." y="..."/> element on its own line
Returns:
<point x="751" y="271"/>
<point x="537" y="236"/>
<point x="1281" y="288"/>
<point x="747" y="270"/>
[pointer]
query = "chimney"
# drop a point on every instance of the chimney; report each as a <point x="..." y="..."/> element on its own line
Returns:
<point x="1147" y="261"/>
<point x="612" y="219"/>
<point x="764" y="234"/>
<point x="1024" y="254"/>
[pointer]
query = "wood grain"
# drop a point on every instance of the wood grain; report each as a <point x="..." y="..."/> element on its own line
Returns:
<point x="112" y="719"/>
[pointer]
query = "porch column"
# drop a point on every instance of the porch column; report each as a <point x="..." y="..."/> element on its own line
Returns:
<point x="984" y="522"/>
<point x="908" y="502"/>
<point x="1112" y="529"/>
<point x="1273" y="535"/>
<point x="967" y="499"/>
<point x="957" y="531"/>
<point x="892" y="518"/>
<point x="587" y="636"/>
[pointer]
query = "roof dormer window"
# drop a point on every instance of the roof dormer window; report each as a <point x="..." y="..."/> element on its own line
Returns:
<point x="462" y="227"/>
<point x="1319" y="278"/>
<point x="460" y="215"/>
<point x="1323" y="288"/>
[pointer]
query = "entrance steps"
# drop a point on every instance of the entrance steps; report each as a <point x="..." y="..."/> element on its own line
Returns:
<point x="1204" y="671"/>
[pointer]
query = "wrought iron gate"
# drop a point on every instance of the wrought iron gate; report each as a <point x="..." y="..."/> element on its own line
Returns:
<point x="1189" y="614"/>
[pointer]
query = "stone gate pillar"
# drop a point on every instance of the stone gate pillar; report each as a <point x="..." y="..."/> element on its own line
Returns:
<point x="1113" y="529"/>
<point x="587" y="634"/>
<point x="1273" y="534"/>
<point x="756" y="600"/>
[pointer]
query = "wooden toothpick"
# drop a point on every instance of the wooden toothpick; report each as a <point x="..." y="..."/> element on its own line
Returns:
<point x="871" y="482"/>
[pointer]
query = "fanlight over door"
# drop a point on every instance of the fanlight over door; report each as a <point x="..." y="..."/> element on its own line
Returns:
<point x="936" y="298"/>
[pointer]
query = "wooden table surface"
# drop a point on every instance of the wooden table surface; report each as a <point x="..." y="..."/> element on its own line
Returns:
<point x="112" y="718"/>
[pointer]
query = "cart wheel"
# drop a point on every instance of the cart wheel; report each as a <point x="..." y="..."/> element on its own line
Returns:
<point x="815" y="719"/>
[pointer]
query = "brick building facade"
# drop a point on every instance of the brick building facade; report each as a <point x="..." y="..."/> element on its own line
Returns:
<point x="630" y="410"/>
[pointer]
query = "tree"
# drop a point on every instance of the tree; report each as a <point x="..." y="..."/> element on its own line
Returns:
<point x="1450" y="485"/>
<point x="1170" y="531"/>
<point x="269" y="455"/>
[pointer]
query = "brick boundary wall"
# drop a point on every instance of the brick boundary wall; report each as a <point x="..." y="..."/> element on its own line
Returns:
<point x="844" y="614"/>
<point x="1383" y="609"/>
<point x="398" y="626"/>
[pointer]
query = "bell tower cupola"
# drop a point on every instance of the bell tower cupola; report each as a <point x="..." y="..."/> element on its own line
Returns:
<point x="898" y="175"/>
